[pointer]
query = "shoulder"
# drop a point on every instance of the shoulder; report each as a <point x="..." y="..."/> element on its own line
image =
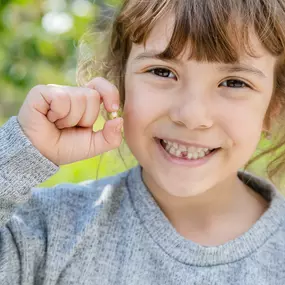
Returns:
<point x="271" y="255"/>
<point x="74" y="200"/>
<point x="85" y="190"/>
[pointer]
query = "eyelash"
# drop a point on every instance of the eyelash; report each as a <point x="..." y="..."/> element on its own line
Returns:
<point x="244" y="85"/>
<point x="161" y="69"/>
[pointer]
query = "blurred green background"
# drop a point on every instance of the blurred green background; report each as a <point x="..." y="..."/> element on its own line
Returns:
<point x="39" y="45"/>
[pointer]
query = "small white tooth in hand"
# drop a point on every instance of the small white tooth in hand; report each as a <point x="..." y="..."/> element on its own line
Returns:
<point x="114" y="115"/>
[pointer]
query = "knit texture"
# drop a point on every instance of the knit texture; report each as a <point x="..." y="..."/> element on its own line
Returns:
<point x="112" y="232"/>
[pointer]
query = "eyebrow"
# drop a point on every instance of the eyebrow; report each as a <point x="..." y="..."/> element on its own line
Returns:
<point x="231" y="68"/>
<point x="152" y="55"/>
<point x="242" y="68"/>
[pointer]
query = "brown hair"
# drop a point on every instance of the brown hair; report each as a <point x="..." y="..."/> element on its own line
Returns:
<point x="215" y="29"/>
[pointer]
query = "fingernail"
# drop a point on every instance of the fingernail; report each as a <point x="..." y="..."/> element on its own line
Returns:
<point x="115" y="107"/>
<point x="119" y="127"/>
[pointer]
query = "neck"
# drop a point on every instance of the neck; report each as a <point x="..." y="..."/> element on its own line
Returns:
<point x="230" y="203"/>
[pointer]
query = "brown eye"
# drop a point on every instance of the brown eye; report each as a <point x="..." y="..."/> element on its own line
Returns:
<point x="234" y="83"/>
<point x="162" y="72"/>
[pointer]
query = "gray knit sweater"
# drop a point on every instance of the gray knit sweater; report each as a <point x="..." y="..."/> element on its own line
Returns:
<point x="112" y="232"/>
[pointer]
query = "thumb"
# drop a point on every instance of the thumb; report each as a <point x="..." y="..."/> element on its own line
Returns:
<point x="110" y="137"/>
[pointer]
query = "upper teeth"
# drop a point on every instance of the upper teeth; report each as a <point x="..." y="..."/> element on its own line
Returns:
<point x="182" y="148"/>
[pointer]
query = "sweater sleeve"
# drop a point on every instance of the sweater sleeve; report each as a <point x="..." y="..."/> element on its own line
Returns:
<point x="22" y="167"/>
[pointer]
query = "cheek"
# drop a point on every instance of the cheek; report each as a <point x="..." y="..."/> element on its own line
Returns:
<point x="136" y="117"/>
<point x="135" y="111"/>
<point x="244" y="126"/>
<point x="137" y="126"/>
<point x="142" y="105"/>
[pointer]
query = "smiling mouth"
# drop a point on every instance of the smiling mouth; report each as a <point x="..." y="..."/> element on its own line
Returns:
<point x="185" y="154"/>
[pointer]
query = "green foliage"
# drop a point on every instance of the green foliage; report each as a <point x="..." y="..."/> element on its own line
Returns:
<point x="34" y="50"/>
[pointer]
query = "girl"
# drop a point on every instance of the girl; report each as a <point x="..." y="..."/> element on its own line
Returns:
<point x="199" y="81"/>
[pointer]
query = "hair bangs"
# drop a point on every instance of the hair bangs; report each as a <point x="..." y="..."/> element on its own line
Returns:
<point x="213" y="31"/>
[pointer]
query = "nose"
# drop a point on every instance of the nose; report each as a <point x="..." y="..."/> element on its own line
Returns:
<point x="192" y="111"/>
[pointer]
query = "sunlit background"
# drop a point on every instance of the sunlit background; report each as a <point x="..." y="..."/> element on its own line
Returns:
<point x="39" y="45"/>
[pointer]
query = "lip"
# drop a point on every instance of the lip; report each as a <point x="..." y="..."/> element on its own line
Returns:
<point x="188" y="144"/>
<point x="183" y="161"/>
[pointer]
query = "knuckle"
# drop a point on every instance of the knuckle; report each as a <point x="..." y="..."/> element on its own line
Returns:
<point x="38" y="88"/>
<point x="95" y="93"/>
<point x="60" y="95"/>
<point x="91" y="93"/>
<point x="113" y="89"/>
<point x="101" y="80"/>
<point x="98" y="79"/>
<point x="95" y="81"/>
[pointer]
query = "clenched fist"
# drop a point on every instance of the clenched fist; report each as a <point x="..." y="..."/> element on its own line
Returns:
<point x="58" y="120"/>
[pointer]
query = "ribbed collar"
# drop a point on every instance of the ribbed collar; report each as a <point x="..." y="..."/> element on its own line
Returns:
<point x="188" y="252"/>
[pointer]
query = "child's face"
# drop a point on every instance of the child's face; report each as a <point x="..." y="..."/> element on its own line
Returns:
<point x="190" y="102"/>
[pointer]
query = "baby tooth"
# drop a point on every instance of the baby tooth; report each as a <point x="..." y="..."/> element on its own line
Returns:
<point x="189" y="149"/>
<point x="114" y="115"/>
<point x="201" y="154"/>
<point x="175" y="145"/>
<point x="178" y="152"/>
<point x="183" y="148"/>
<point x="195" y="155"/>
<point x="189" y="155"/>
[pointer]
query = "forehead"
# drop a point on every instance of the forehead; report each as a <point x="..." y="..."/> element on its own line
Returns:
<point x="161" y="34"/>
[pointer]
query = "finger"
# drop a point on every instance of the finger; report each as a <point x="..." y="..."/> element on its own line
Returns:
<point x="60" y="105"/>
<point x="92" y="108"/>
<point x="107" y="139"/>
<point x="52" y="102"/>
<point x="108" y="92"/>
<point x="77" y="109"/>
